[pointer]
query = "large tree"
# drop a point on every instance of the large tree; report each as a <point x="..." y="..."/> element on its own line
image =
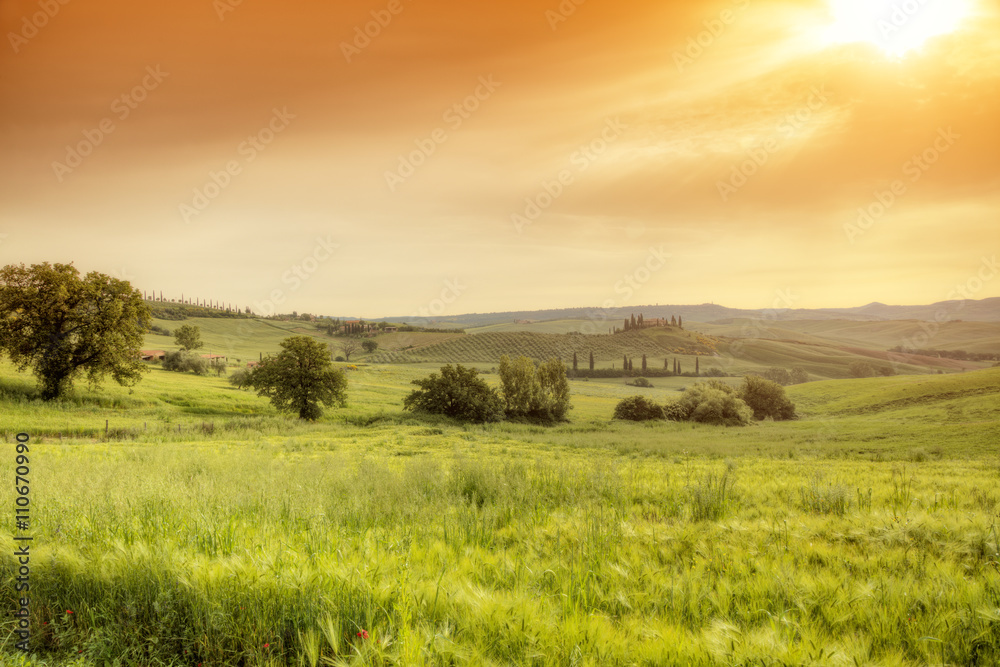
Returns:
<point x="300" y="377"/>
<point x="349" y="347"/>
<point x="188" y="337"/>
<point x="63" y="326"/>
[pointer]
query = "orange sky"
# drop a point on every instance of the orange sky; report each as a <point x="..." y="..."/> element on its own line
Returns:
<point x="115" y="113"/>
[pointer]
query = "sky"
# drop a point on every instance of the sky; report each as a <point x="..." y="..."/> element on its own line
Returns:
<point x="420" y="157"/>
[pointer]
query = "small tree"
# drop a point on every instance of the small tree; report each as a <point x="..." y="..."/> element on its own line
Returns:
<point x="779" y="375"/>
<point x="714" y="403"/>
<point x="218" y="366"/>
<point x="300" y="378"/>
<point x="591" y="361"/>
<point x="349" y="346"/>
<point x="574" y="361"/>
<point x="766" y="398"/>
<point x="369" y="345"/>
<point x="638" y="408"/>
<point x="861" y="369"/>
<point x="798" y="375"/>
<point x="644" y="362"/>
<point x="188" y="337"/>
<point x="183" y="361"/>
<point x="240" y="378"/>
<point x="456" y="393"/>
<point x="540" y="392"/>
<point x="697" y="366"/>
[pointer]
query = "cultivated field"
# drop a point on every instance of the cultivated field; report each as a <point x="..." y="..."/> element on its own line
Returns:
<point x="207" y="529"/>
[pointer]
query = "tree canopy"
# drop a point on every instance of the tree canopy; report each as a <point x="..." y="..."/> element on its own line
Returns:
<point x="188" y="337"/>
<point x="300" y="378"/>
<point x="536" y="392"/>
<point x="63" y="326"/>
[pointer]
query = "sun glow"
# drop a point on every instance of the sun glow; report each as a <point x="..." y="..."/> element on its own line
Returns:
<point x="895" y="26"/>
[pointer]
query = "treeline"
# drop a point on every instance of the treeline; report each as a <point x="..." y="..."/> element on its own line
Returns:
<point x="634" y="323"/>
<point x="338" y="327"/>
<point x="183" y="312"/>
<point x="636" y="373"/>
<point x="959" y="355"/>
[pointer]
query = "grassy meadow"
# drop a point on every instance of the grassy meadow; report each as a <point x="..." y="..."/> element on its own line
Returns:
<point x="206" y="529"/>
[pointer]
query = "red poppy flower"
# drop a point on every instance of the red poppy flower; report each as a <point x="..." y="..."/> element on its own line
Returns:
<point x="363" y="634"/>
<point x="69" y="611"/>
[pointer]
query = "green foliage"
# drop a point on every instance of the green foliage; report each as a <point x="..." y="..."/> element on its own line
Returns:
<point x="458" y="393"/>
<point x="63" y="326"/>
<point x="798" y="375"/>
<point x="766" y="399"/>
<point x="184" y="362"/>
<point x="713" y="496"/>
<point x="641" y="382"/>
<point x="300" y="378"/>
<point x="162" y="331"/>
<point x="779" y="375"/>
<point x="534" y="392"/>
<point x="369" y="345"/>
<point x="240" y="378"/>
<point x="638" y="408"/>
<point x="713" y="402"/>
<point x="188" y="337"/>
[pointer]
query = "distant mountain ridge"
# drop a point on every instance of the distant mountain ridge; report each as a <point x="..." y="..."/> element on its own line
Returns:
<point x="982" y="310"/>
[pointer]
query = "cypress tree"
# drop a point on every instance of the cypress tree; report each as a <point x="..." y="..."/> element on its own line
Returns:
<point x="625" y="361"/>
<point x="680" y="322"/>
<point x="630" y="364"/>
<point x="574" y="361"/>
<point x="664" y="363"/>
<point x="673" y="321"/>
<point x="633" y="320"/>
<point x="591" y="361"/>
<point x="644" y="362"/>
<point x="697" y="366"/>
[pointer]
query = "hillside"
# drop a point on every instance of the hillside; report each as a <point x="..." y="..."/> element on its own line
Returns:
<point x="608" y="349"/>
<point x="984" y="310"/>
<point x="968" y="336"/>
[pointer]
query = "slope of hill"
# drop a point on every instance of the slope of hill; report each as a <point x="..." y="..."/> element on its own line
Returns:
<point x="965" y="397"/>
<point x="490" y="346"/>
<point x="984" y="310"/>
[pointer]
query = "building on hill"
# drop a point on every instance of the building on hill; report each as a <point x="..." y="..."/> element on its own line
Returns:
<point x="213" y="357"/>
<point x="150" y="355"/>
<point x="391" y="329"/>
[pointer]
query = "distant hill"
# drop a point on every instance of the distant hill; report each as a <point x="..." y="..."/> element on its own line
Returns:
<point x="983" y="310"/>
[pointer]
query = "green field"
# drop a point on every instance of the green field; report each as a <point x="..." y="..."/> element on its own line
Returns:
<point x="203" y="527"/>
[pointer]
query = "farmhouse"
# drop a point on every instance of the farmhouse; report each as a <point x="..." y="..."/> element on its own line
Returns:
<point x="150" y="355"/>
<point x="391" y="329"/>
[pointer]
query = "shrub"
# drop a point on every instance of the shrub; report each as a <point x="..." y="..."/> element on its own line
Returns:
<point x="861" y="369"/>
<point x="641" y="382"/>
<point x="456" y="393"/>
<point x="241" y="378"/>
<point x="339" y="358"/>
<point x="674" y="412"/>
<point x="713" y="402"/>
<point x="714" y="373"/>
<point x="799" y="375"/>
<point x="766" y="398"/>
<point x="778" y="375"/>
<point x="160" y="331"/>
<point x="638" y="408"/>
<point x="369" y="345"/>
<point x="539" y="392"/>
<point x="183" y="361"/>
